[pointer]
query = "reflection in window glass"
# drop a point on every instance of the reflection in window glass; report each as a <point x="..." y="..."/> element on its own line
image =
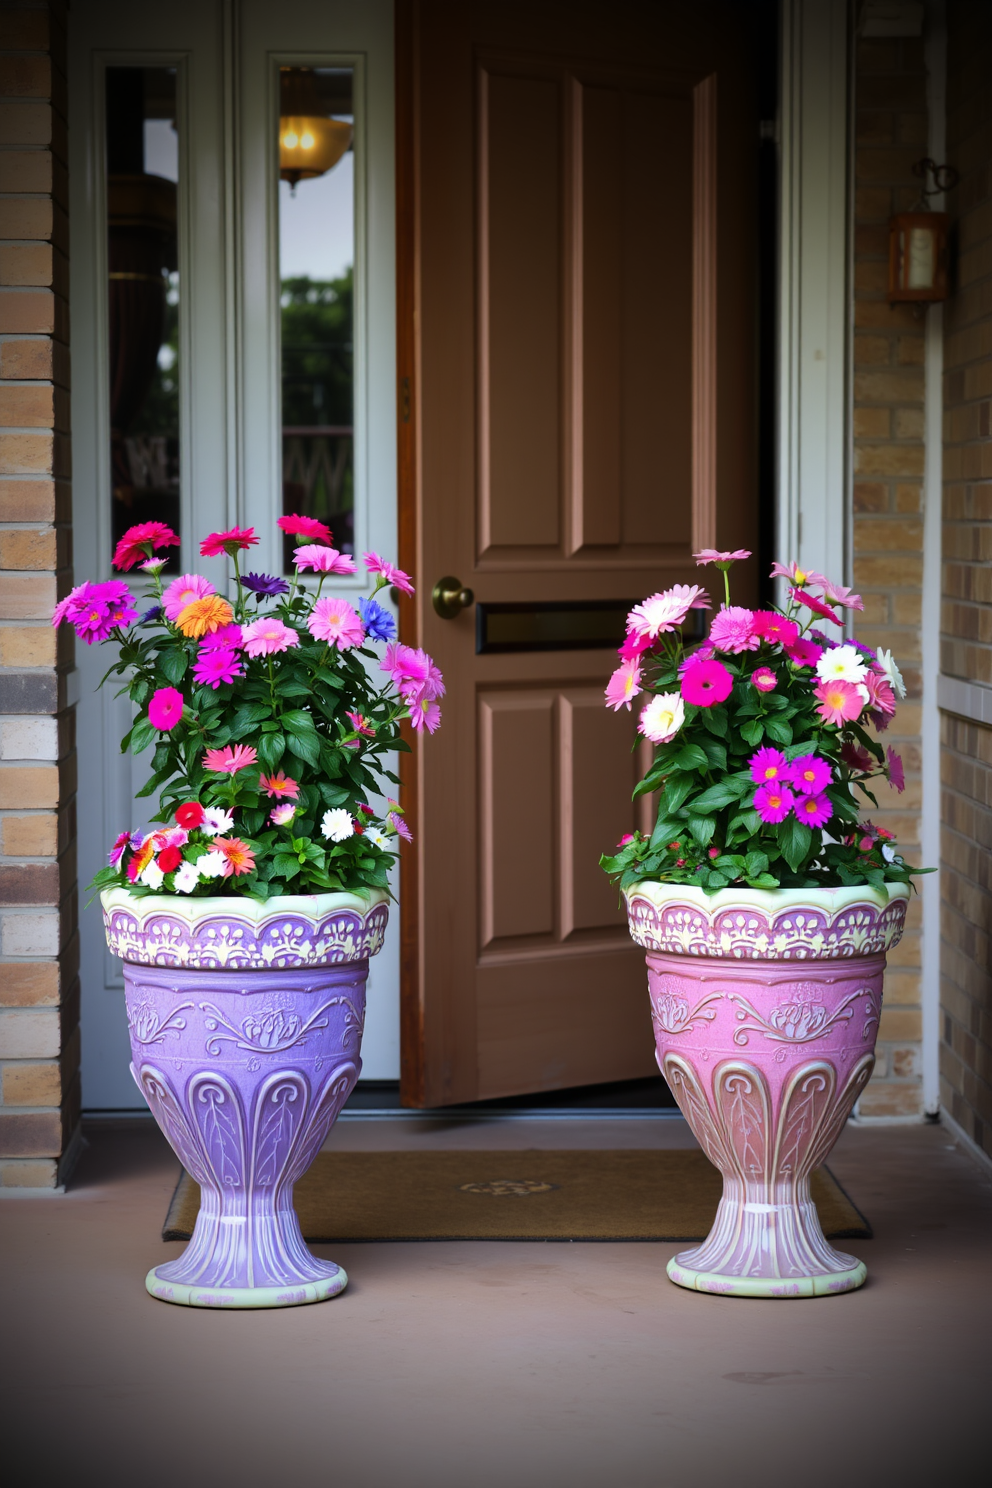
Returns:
<point x="316" y="260"/>
<point x="143" y="297"/>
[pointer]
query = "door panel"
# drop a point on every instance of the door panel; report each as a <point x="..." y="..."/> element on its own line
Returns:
<point x="576" y="331"/>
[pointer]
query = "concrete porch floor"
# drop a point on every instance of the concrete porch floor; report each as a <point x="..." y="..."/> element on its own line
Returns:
<point x="478" y="1365"/>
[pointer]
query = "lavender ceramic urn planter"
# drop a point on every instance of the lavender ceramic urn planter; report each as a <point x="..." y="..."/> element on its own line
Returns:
<point x="246" y="1024"/>
<point x="765" y="1007"/>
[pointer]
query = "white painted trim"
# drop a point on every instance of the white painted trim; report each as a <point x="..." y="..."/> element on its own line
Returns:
<point x="813" y="439"/>
<point x="970" y="700"/>
<point x="971" y="1148"/>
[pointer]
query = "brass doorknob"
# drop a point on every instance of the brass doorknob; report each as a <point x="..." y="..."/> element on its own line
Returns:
<point x="449" y="597"/>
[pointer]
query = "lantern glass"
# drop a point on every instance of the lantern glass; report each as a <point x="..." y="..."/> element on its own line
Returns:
<point x="918" y="257"/>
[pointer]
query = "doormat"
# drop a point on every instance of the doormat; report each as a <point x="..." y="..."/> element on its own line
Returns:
<point x="464" y="1195"/>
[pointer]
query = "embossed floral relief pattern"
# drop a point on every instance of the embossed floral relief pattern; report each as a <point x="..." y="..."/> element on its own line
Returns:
<point x="227" y="940"/>
<point x="793" y="934"/>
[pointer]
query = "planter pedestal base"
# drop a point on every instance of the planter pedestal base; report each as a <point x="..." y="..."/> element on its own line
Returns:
<point x="260" y="1296"/>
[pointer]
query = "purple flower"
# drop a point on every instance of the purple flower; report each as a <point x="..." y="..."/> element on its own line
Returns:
<point x="379" y="623"/>
<point x="773" y="801"/>
<point x="809" y="774"/>
<point x="815" y="811"/>
<point x="95" y="610"/>
<point x="897" y="775"/>
<point x="150" y="615"/>
<point x="266" y="584"/>
<point x="217" y="665"/>
<point x="768" y="765"/>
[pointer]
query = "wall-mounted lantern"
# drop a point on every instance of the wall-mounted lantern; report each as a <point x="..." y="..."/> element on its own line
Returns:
<point x="918" y="242"/>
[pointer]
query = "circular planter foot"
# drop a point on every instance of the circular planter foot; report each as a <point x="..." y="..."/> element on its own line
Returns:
<point x="264" y="1296"/>
<point x="767" y="1286"/>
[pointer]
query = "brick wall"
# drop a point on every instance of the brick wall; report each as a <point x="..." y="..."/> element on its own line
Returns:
<point x="39" y="992"/>
<point x="966" y="618"/>
<point x="891" y="135"/>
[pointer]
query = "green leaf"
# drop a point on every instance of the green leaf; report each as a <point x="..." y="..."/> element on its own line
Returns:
<point x="675" y="792"/>
<point x="691" y="757"/>
<point x="794" y="838"/>
<point x="702" y="829"/>
<point x="305" y="747"/>
<point x="715" y="752"/>
<point x="755" y="864"/>
<point x="715" y="719"/>
<point x="248" y="714"/>
<point x="716" y="797"/>
<point x="142" y="735"/>
<point x="752" y="732"/>
<point x="298" y="721"/>
<point x="665" y="831"/>
<point x="779" y="730"/>
<point x="271" y="748"/>
<point x="173" y="664"/>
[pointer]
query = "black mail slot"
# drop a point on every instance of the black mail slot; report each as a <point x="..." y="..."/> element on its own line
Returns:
<point x="558" y="625"/>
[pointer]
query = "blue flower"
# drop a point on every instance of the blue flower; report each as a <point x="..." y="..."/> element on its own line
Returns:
<point x="150" y="615"/>
<point x="266" y="584"/>
<point x="379" y="623"/>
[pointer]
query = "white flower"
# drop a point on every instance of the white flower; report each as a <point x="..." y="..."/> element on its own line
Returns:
<point x="152" y="875"/>
<point x="661" y="612"/>
<point x="888" y="853"/>
<point x="892" y="672"/>
<point x="216" y="821"/>
<point x="211" y="865"/>
<point x="186" y="878"/>
<point x="380" y="839"/>
<point x="337" y="825"/>
<point x="282" y="814"/>
<point x="662" y="717"/>
<point x="842" y="664"/>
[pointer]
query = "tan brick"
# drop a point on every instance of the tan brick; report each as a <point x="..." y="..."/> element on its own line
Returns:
<point x="27" y="596"/>
<point x="908" y="497"/>
<point x="30" y="836"/>
<point x="895" y="385"/>
<point x="28" y="263"/>
<point x="23" y="454"/>
<point x="26" y="500"/>
<point x="889" y="459"/>
<point x="26" y="359"/>
<point x="871" y="351"/>
<point x="21" y="1173"/>
<point x="27" y="217"/>
<point x="910" y="351"/>
<point x="26" y="170"/>
<point x="26" y="407"/>
<point x="34" y="1134"/>
<point x="883" y="1098"/>
<point x="907" y="609"/>
<point x="872" y="423"/>
<point x="29" y="984"/>
<point x="25" y="124"/>
<point x="25" y="77"/>
<point x="26" y="548"/>
<point x="23" y="647"/>
<point x="26" y="786"/>
<point x="909" y="423"/>
<point x="32" y="1084"/>
<point x="25" y="30"/>
<point x="27" y="311"/>
<point x="894" y="534"/>
<point x="879" y="315"/>
<point x="870" y="496"/>
<point x="871" y="275"/>
<point x="887" y="573"/>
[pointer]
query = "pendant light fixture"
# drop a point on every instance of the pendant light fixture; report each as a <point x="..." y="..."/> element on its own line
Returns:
<point x="310" y="143"/>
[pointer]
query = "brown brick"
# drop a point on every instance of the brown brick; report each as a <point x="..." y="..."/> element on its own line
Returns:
<point x="25" y="124"/>
<point x="26" y="263"/>
<point x="27" y="548"/>
<point x="32" y="1084"/>
<point x="884" y="1098"/>
<point x="890" y="535"/>
<point x="887" y="573"/>
<point x="25" y="30"/>
<point x="26" y="359"/>
<point x="34" y="836"/>
<point x="26" y="407"/>
<point x="24" y="647"/>
<point x="872" y="351"/>
<point x="25" y="786"/>
<point x="36" y="1135"/>
<point x="910" y="351"/>
<point x="23" y="1173"/>
<point x="24" y="311"/>
<point x="872" y="423"/>
<point x="27" y="596"/>
<point x="29" y="984"/>
<point x="26" y="170"/>
<point x="27" y="217"/>
<point x="25" y="77"/>
<point x="889" y="459"/>
<point x="23" y="454"/>
<point x="29" y="883"/>
<point x="909" y="423"/>
<point x="908" y="497"/>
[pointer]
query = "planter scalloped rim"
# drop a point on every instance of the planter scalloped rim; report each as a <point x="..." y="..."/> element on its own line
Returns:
<point x="765" y="1006"/>
<point x="237" y="932"/>
<point x="245" y="1020"/>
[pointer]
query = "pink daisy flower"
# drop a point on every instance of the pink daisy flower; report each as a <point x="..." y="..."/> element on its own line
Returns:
<point x="268" y="636"/>
<point x="360" y="724"/>
<point x="306" y="527"/>
<point x="334" y="620"/>
<point x="634" y="645"/>
<point x="424" y="714"/>
<point x="796" y="575"/>
<point x="839" y="594"/>
<point x="733" y="630"/>
<point x="229" y="542"/>
<point x="140" y="542"/>
<point x="897" y="775"/>
<point x="773" y="801"/>
<point x="764" y="679"/>
<point x="881" y="698"/>
<point x="840" y="702"/>
<point x="388" y="573"/>
<point x="215" y="665"/>
<point x="705" y="683"/>
<point x="722" y="560"/>
<point x="165" y="708"/>
<point x="769" y="765"/>
<point x="816" y="605"/>
<point x="182" y="592"/>
<point x="810" y="774"/>
<point x="815" y="811"/>
<point x="667" y="610"/>
<point x="399" y="826"/>
<point x="227" y="637"/>
<point x="282" y="815"/>
<point x="413" y="672"/>
<point x="279" y="784"/>
<point x="774" y="628"/>
<point x="230" y="759"/>
<point x="323" y="560"/>
<point x="623" y="686"/>
<point x="803" y="652"/>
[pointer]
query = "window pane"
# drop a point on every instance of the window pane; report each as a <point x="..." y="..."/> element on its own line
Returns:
<point x="316" y="260"/>
<point x="143" y="297"/>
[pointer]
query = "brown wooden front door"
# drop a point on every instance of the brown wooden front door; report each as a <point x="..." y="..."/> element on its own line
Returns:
<point x="577" y="338"/>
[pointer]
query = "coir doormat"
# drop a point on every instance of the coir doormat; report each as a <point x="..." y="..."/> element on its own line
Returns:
<point x="464" y="1195"/>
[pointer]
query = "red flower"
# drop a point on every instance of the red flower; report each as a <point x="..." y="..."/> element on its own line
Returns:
<point x="169" y="859"/>
<point x="227" y="542"/>
<point x="141" y="541"/>
<point x="190" y="815"/>
<point x="306" y="527"/>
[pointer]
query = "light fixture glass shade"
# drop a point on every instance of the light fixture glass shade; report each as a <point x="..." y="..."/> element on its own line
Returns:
<point x="310" y="146"/>
<point x="918" y="257"/>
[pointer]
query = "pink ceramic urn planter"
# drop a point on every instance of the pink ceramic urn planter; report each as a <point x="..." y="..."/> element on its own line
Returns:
<point x="246" y="1024"/>
<point x="765" y="1007"/>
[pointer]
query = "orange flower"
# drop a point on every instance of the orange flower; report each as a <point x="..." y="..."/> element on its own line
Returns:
<point x="204" y="616"/>
<point x="142" y="858"/>
<point x="240" y="858"/>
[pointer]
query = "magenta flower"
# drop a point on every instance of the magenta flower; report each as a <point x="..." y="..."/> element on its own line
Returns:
<point x="623" y="686"/>
<point x="225" y="637"/>
<point x="815" y="811"/>
<point x="768" y="765"/>
<point x="855" y="757"/>
<point x="217" y="664"/>
<point x="323" y="560"/>
<point x="706" y="683"/>
<point x="119" y="848"/>
<point x="182" y="592"/>
<point x="634" y="645"/>
<point x="388" y="573"/>
<point x="773" y="801"/>
<point x="774" y="628"/>
<point x="897" y="775"/>
<point x="306" y="527"/>
<point x="268" y="636"/>
<point x="839" y="701"/>
<point x="334" y="620"/>
<point x="666" y="611"/>
<point x="165" y="708"/>
<point x="764" y="679"/>
<point x="810" y="774"/>
<point x="413" y="672"/>
<point x="229" y="542"/>
<point x="838" y="594"/>
<point x="722" y="560"/>
<point x="399" y="826"/>
<point x="360" y="724"/>
<point x="798" y="576"/>
<point x="881" y="698"/>
<point x="733" y="630"/>
<point x="424" y="714"/>
<point x="230" y="759"/>
<point x="816" y="605"/>
<point x="803" y="652"/>
<point x="141" y="541"/>
<point x="107" y="606"/>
